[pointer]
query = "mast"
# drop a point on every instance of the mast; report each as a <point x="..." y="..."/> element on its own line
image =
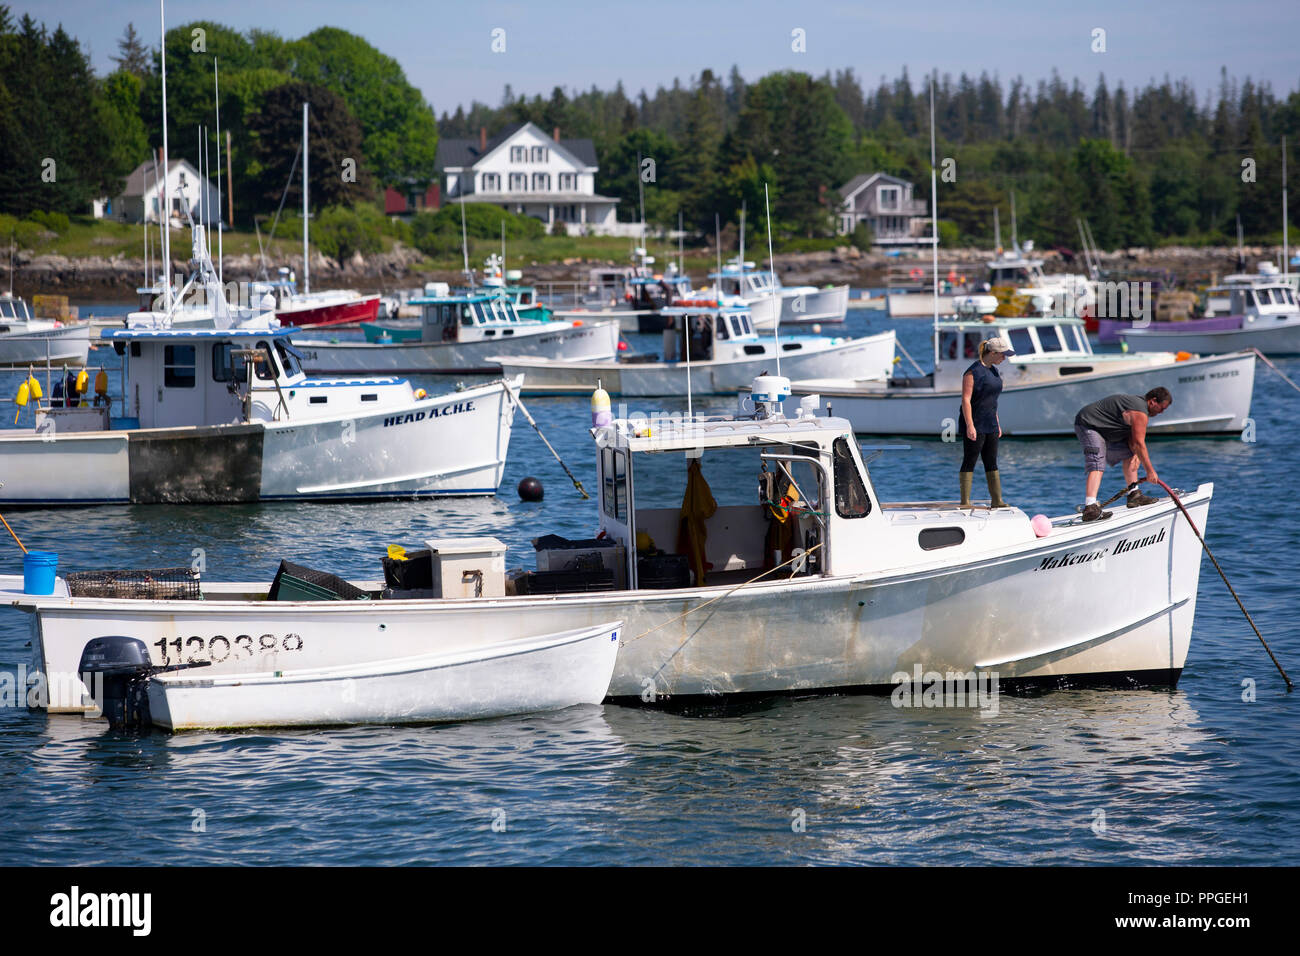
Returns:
<point x="1286" y="249"/>
<point x="166" y="215"/>
<point x="1015" y="240"/>
<point x="997" y="232"/>
<point x="216" y="94"/>
<point x="776" y="306"/>
<point x="464" y="243"/>
<point x="681" y="262"/>
<point x="306" y="260"/>
<point x="934" y="229"/>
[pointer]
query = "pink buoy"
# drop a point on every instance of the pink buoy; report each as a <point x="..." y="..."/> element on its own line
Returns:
<point x="1041" y="524"/>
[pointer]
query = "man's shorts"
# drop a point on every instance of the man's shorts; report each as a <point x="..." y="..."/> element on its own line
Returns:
<point x="1099" y="453"/>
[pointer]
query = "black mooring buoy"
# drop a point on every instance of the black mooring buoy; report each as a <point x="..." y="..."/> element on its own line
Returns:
<point x="530" y="489"/>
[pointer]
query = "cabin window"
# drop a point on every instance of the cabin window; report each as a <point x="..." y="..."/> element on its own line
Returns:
<point x="1080" y="342"/>
<point x="1263" y="297"/>
<point x="289" y="358"/>
<point x="1051" y="339"/>
<point x="722" y="328"/>
<point x="224" y="364"/>
<point x="179" y="366"/>
<point x="1021" y="343"/>
<point x="614" y="490"/>
<point x="851" y="500"/>
<point x="932" y="539"/>
<point x="466" y="314"/>
<point x="266" y="369"/>
<point x="135" y="350"/>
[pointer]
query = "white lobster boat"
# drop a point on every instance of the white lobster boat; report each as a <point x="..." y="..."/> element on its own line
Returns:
<point x="25" y="340"/>
<point x="228" y="415"/>
<point x="726" y="353"/>
<point x="519" y="676"/>
<point x="770" y="301"/>
<point x="1053" y="374"/>
<point x="464" y="334"/>
<point x="824" y="589"/>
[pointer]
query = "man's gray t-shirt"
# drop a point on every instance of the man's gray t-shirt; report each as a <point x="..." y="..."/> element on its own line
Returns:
<point x="1106" y="416"/>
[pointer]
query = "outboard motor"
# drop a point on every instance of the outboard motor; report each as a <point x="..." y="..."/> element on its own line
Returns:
<point x="120" y="668"/>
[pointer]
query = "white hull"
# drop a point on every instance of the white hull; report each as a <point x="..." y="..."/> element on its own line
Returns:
<point x="67" y="344"/>
<point x="1211" y="394"/>
<point x="916" y="305"/>
<point x="804" y="306"/>
<point x="763" y="310"/>
<point x="452" y="444"/>
<point x="1270" y="336"/>
<point x="1024" y="611"/>
<point x="552" y="341"/>
<point x="550" y="672"/>
<point x="871" y="356"/>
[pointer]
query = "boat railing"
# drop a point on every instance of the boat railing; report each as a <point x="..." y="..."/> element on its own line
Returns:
<point x="64" y="369"/>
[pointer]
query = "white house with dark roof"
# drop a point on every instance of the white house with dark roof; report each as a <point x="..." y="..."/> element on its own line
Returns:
<point x="885" y="203"/>
<point x="142" y="197"/>
<point x="523" y="170"/>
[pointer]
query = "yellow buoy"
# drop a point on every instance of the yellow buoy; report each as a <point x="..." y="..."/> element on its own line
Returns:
<point x="600" y="414"/>
<point x="35" y="386"/>
<point x="83" y="379"/>
<point x="397" y="552"/>
<point x="421" y="393"/>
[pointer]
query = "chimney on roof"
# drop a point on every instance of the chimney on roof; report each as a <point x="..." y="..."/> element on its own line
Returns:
<point x="482" y="139"/>
<point x="556" y="134"/>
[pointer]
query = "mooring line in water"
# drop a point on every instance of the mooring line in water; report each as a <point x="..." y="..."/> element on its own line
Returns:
<point x="1264" y="358"/>
<point x="519" y="404"/>
<point x="797" y="557"/>
<point x="1196" y="531"/>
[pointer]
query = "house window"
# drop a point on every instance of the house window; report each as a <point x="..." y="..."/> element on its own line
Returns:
<point x="491" y="182"/>
<point x="518" y="154"/>
<point x="539" y="154"/>
<point x="541" y="182"/>
<point x="568" y="181"/>
<point x="518" y="181"/>
<point x="888" y="197"/>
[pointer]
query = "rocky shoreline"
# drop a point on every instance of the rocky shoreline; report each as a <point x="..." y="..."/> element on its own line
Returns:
<point x="116" y="279"/>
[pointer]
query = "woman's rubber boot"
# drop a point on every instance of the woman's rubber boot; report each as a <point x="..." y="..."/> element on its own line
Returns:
<point x="967" y="479"/>
<point x="995" y="489"/>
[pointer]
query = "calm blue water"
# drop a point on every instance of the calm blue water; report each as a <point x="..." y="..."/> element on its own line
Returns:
<point x="1196" y="776"/>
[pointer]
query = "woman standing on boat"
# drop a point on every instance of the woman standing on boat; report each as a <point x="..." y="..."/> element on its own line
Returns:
<point x="980" y="388"/>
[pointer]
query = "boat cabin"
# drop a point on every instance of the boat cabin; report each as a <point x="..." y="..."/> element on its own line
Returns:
<point x="1014" y="269"/>
<point x="707" y="325"/>
<point x="672" y="515"/>
<point x="13" y="310"/>
<point x="1257" y="297"/>
<point x="204" y="377"/>
<point x="1059" y="343"/>
<point x="657" y="292"/>
<point x="472" y="317"/>
<point x="745" y="281"/>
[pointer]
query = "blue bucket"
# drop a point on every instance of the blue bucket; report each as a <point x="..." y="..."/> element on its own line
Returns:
<point x="39" y="568"/>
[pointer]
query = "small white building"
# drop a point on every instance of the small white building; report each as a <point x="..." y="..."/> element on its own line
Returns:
<point x="885" y="203"/>
<point x="527" y="172"/>
<point x="142" y="198"/>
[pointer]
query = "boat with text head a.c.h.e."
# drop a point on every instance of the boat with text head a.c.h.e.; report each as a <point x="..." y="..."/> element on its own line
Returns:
<point x="464" y="333"/>
<point x="725" y="353"/>
<point x="1052" y="375"/>
<point x="227" y="415"/>
<point x="799" y="580"/>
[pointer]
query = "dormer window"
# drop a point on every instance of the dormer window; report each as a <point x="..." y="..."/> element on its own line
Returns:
<point x="518" y="154"/>
<point x="540" y="154"/>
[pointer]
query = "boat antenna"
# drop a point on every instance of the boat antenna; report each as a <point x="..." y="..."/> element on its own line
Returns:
<point x="741" y="248"/>
<point x="166" y="213"/>
<point x="306" y="260"/>
<point x="1286" y="250"/>
<point x="717" y="239"/>
<point x="776" y="307"/>
<point x="216" y="93"/>
<point x="1015" y="240"/>
<point x="464" y="243"/>
<point x="934" y="230"/>
<point x="640" y="190"/>
<point x="997" y="232"/>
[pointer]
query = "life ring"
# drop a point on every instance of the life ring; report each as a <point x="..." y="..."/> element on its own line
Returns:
<point x="915" y="273"/>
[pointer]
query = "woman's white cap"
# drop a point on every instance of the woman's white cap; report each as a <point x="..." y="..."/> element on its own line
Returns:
<point x="998" y="343"/>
